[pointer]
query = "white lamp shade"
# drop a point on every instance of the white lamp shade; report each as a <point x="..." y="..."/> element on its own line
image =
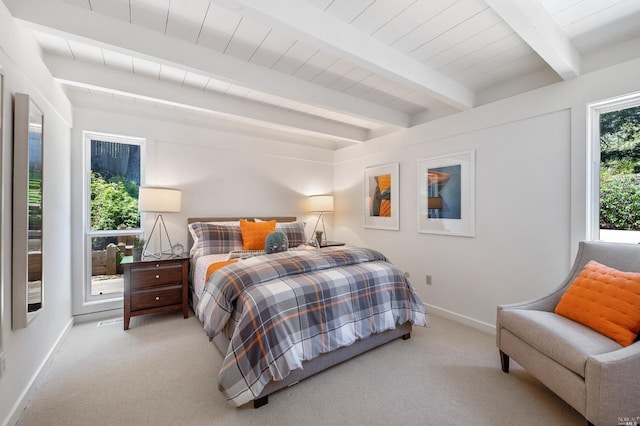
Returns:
<point x="159" y="200"/>
<point x="321" y="203"/>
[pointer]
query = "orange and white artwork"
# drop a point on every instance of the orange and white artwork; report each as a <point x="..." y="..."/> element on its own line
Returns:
<point x="381" y="197"/>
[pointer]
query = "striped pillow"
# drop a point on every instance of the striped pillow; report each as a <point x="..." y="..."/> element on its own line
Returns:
<point x="209" y="238"/>
<point x="294" y="232"/>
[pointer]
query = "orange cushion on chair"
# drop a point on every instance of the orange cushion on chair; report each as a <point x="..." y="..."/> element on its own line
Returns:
<point x="254" y="233"/>
<point x="606" y="300"/>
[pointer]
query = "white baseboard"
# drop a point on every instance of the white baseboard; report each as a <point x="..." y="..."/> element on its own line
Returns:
<point x="482" y="326"/>
<point x="23" y="402"/>
<point x="98" y="316"/>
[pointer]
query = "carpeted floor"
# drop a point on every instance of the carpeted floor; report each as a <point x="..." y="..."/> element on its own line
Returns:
<point x="162" y="371"/>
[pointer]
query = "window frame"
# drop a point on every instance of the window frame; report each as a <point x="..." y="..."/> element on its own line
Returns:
<point x="89" y="234"/>
<point x="594" y="111"/>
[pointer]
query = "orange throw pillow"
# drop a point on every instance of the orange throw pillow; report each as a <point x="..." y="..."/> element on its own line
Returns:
<point x="254" y="233"/>
<point x="606" y="300"/>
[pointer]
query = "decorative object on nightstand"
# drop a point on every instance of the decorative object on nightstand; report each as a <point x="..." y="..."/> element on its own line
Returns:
<point x="158" y="201"/>
<point x="136" y="250"/>
<point x="319" y="239"/>
<point x="177" y="250"/>
<point x="152" y="286"/>
<point x="320" y="204"/>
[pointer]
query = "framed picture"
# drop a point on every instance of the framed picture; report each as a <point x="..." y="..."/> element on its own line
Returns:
<point x="381" y="197"/>
<point x="446" y="192"/>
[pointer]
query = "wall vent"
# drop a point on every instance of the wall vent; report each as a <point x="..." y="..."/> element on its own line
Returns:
<point x="112" y="321"/>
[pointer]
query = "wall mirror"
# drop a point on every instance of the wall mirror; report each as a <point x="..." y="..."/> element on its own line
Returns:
<point x="28" y="288"/>
<point x="1" y="213"/>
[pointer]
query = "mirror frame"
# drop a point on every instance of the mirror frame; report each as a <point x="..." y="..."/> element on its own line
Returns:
<point x="1" y="212"/>
<point x="26" y="113"/>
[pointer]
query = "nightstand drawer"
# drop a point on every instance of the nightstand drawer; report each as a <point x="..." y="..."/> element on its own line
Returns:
<point x="156" y="276"/>
<point x="146" y="299"/>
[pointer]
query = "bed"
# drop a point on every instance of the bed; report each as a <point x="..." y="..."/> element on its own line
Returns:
<point x="261" y="310"/>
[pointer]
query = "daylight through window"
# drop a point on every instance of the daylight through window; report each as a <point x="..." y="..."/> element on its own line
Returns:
<point x="113" y="219"/>
<point x="616" y="152"/>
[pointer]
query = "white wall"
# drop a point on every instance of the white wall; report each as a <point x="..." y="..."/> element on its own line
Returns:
<point x="220" y="173"/>
<point x="26" y="350"/>
<point x="530" y="196"/>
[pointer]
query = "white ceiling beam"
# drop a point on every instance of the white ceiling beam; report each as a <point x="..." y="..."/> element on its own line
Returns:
<point x="82" y="25"/>
<point x="319" y="29"/>
<point x="100" y="78"/>
<point x="536" y="27"/>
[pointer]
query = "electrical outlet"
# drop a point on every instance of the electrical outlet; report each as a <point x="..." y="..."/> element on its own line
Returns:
<point x="428" y="279"/>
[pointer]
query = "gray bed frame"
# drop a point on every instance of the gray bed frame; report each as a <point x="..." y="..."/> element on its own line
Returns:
<point x="318" y="364"/>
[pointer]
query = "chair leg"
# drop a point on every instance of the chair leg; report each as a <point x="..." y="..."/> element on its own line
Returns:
<point x="504" y="362"/>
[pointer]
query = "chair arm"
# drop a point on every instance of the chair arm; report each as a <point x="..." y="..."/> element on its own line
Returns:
<point x="613" y="388"/>
<point x="546" y="303"/>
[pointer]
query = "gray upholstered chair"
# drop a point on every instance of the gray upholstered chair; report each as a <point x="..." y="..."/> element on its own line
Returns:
<point x="591" y="372"/>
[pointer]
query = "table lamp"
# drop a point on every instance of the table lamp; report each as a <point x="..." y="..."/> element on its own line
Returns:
<point x="320" y="204"/>
<point x="158" y="201"/>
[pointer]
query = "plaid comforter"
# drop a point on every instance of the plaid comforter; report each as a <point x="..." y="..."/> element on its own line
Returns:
<point x="290" y="307"/>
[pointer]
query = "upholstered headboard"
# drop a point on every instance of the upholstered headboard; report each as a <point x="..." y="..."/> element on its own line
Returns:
<point x="229" y="219"/>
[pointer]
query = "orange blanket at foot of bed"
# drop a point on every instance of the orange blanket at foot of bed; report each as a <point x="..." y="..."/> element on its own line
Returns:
<point x="217" y="265"/>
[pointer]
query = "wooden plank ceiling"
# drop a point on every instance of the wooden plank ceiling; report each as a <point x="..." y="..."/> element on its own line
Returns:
<point x="328" y="73"/>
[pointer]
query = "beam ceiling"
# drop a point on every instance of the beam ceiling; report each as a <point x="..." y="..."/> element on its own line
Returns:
<point x="306" y="23"/>
<point x="537" y="28"/>
<point x="82" y="25"/>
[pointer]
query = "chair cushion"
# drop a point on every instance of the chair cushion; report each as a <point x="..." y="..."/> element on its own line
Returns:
<point x="567" y="342"/>
<point x="605" y="299"/>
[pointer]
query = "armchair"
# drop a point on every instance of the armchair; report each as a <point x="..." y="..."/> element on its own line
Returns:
<point x="593" y="373"/>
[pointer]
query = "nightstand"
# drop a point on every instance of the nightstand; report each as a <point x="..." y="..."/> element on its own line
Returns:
<point x="153" y="285"/>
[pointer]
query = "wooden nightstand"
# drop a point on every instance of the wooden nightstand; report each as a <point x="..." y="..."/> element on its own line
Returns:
<point x="153" y="285"/>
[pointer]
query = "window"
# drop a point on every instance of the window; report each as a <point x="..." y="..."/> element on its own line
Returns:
<point x="112" y="220"/>
<point x="614" y="170"/>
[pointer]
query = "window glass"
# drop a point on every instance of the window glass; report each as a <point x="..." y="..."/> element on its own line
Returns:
<point x="113" y="218"/>
<point x="615" y="172"/>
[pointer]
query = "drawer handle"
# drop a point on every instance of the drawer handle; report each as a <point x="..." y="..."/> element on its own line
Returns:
<point x="157" y="276"/>
<point x="157" y="265"/>
<point x="157" y="297"/>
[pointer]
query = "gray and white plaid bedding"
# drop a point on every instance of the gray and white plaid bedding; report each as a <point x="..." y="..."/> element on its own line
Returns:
<point x="289" y="307"/>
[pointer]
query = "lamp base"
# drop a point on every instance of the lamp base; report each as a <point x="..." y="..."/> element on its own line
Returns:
<point x="156" y="255"/>
<point x="324" y="231"/>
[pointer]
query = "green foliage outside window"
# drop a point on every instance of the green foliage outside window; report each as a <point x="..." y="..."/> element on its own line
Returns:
<point x="114" y="203"/>
<point x="35" y="200"/>
<point x="620" y="170"/>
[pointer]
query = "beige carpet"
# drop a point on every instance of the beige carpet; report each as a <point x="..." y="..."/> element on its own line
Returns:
<point x="162" y="371"/>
